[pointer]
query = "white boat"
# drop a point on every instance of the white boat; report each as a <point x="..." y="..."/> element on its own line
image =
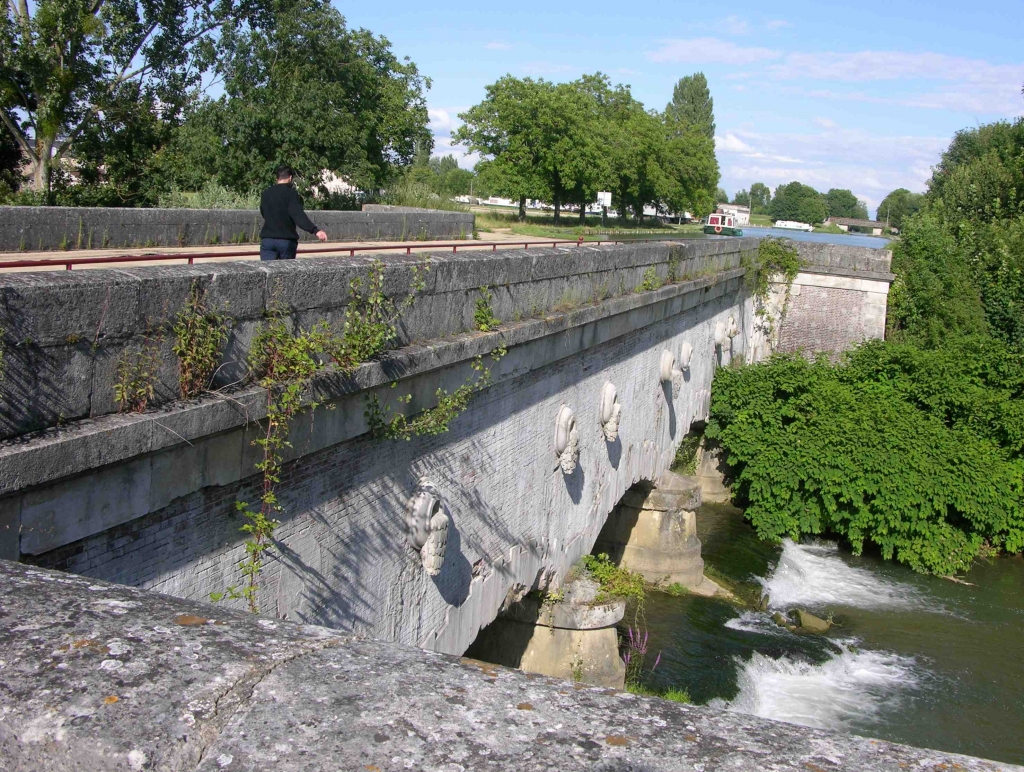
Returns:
<point x="792" y="225"/>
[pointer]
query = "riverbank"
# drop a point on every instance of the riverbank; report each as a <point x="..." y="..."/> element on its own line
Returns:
<point x="911" y="658"/>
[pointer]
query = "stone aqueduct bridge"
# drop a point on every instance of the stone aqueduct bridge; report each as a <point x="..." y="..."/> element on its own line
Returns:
<point x="95" y="675"/>
<point x="148" y="500"/>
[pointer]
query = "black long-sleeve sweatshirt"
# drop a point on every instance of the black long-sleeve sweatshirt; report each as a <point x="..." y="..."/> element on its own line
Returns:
<point x="281" y="208"/>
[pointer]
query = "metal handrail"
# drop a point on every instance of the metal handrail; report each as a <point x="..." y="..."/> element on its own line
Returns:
<point x="69" y="262"/>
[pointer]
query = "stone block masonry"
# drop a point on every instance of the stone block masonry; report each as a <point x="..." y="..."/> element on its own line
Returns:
<point x="838" y="299"/>
<point x="47" y="228"/>
<point x="64" y="332"/>
<point x="101" y="677"/>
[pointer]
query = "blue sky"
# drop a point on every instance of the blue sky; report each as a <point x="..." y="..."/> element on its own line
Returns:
<point x="831" y="94"/>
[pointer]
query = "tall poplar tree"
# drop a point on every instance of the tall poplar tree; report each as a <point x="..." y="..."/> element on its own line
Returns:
<point x="692" y="104"/>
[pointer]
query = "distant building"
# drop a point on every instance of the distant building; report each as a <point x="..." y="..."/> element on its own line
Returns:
<point x="740" y="214"/>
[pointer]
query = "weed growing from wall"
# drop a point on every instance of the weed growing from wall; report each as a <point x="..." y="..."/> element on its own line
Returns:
<point x="284" y="364"/>
<point x="774" y="259"/>
<point x="136" y="376"/>
<point x="685" y="461"/>
<point x="371" y="318"/>
<point x="199" y="334"/>
<point x="651" y="281"/>
<point x="483" y="317"/>
<point x="615" y="582"/>
<point x="385" y="424"/>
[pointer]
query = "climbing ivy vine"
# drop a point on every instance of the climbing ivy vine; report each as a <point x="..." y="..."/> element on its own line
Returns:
<point x="774" y="259"/>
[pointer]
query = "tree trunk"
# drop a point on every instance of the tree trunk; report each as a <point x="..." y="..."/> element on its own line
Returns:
<point x="522" y="209"/>
<point x="558" y="210"/>
<point x="41" y="169"/>
<point x="583" y="215"/>
<point x="639" y="214"/>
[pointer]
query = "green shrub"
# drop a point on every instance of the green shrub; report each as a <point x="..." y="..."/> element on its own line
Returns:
<point x="914" y="451"/>
<point x="615" y="582"/>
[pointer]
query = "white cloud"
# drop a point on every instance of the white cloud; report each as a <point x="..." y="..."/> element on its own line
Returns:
<point x="735" y="25"/>
<point x="441" y="121"/>
<point x="730" y="143"/>
<point x="710" y="51"/>
<point x="497" y="46"/>
<point x="825" y="123"/>
<point x="968" y="85"/>
<point x="778" y="24"/>
<point x="870" y="165"/>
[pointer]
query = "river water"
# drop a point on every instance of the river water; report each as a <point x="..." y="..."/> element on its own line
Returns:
<point x="913" y="659"/>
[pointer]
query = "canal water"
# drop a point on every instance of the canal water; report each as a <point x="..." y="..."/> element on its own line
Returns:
<point x="849" y="239"/>
<point x="914" y="659"/>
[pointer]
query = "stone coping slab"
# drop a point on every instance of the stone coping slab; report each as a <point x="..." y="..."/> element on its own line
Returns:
<point x="95" y="676"/>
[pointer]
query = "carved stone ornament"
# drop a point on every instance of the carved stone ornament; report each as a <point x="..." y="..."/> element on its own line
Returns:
<point x="685" y="353"/>
<point x="427" y="526"/>
<point x="732" y="330"/>
<point x="670" y="373"/>
<point x="721" y="335"/>
<point x="611" y="412"/>
<point x="567" y="440"/>
<point x="668" y="365"/>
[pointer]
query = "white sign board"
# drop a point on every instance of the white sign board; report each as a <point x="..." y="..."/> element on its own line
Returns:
<point x="604" y="198"/>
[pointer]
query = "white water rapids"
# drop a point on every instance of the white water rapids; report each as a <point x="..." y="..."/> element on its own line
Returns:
<point x="852" y="685"/>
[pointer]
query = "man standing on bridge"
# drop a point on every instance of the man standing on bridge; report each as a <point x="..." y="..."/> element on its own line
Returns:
<point x="281" y="208"/>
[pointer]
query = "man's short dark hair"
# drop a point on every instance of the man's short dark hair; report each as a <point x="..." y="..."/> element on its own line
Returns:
<point x="283" y="172"/>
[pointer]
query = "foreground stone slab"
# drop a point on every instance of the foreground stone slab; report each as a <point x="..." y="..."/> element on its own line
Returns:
<point x="95" y="676"/>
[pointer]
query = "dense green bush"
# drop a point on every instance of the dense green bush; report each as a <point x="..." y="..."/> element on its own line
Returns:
<point x="914" y="451"/>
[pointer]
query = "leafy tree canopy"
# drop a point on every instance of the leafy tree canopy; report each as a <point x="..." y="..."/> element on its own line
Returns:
<point x="564" y="142"/>
<point x="760" y="197"/>
<point x="309" y="92"/>
<point x="915" y="452"/>
<point x="842" y="203"/>
<point x="798" y="202"/>
<point x="742" y="198"/>
<point x="898" y="206"/>
<point x="693" y="106"/>
<point x="65" y="63"/>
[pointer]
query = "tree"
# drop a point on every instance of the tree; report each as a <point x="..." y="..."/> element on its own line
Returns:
<point x="981" y="175"/>
<point x="634" y="145"/>
<point x="64" y="62"/>
<point x="690" y="170"/>
<point x="309" y="92"/>
<point x="721" y="196"/>
<point x="692" y="105"/>
<point x="10" y="165"/>
<point x="842" y="203"/>
<point x="760" y="198"/>
<point x="506" y="128"/>
<point x="898" y="206"/>
<point x="797" y="202"/>
<point x="742" y="198"/>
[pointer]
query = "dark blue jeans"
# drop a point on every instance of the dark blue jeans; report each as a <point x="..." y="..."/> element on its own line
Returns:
<point x="278" y="249"/>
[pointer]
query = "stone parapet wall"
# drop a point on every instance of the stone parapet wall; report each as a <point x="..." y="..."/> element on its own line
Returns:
<point x="101" y="677"/>
<point x="62" y="333"/>
<point x="39" y="228"/>
<point x="840" y="257"/>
